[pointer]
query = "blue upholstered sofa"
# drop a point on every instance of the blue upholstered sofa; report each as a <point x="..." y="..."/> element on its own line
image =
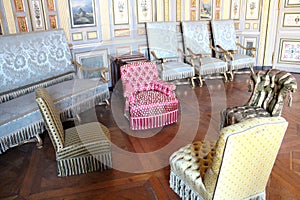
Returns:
<point x="32" y="60"/>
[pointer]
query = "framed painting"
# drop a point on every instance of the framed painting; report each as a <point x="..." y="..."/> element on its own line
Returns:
<point x="37" y="15"/>
<point x="249" y="42"/>
<point x="19" y="6"/>
<point x="193" y="3"/>
<point x="51" y="5"/>
<point x="291" y="19"/>
<point x="22" y="24"/>
<point x="144" y="11"/>
<point x="82" y="13"/>
<point x="235" y="9"/>
<point x="120" y="12"/>
<point x="205" y="10"/>
<point x="94" y="59"/>
<point x="292" y="3"/>
<point x="252" y="10"/>
<point x="289" y="51"/>
<point x="53" y="22"/>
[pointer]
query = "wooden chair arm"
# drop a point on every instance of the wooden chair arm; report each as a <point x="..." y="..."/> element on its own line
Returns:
<point x="102" y="70"/>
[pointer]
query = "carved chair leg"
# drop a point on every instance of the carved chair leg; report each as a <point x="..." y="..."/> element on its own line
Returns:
<point x="107" y="102"/>
<point x="200" y="81"/>
<point x="39" y="141"/>
<point x="193" y="82"/>
<point x="225" y="77"/>
<point x="231" y="75"/>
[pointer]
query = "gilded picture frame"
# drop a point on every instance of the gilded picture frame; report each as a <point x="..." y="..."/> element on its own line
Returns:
<point x="252" y="9"/>
<point x="235" y="9"/>
<point x="289" y="51"/>
<point x="37" y="15"/>
<point x="291" y="19"/>
<point x="292" y="3"/>
<point x="82" y="13"/>
<point x="144" y="11"/>
<point x="121" y="15"/>
<point x="205" y="10"/>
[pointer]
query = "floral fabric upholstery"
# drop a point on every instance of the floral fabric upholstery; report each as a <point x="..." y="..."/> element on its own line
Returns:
<point x="270" y="89"/>
<point x="196" y="37"/>
<point x="150" y="102"/>
<point x="237" y="166"/>
<point x="81" y="149"/>
<point x="224" y="35"/>
<point x="39" y="59"/>
<point x="162" y="39"/>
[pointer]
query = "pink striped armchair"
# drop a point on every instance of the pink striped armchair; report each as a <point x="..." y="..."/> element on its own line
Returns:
<point x="149" y="101"/>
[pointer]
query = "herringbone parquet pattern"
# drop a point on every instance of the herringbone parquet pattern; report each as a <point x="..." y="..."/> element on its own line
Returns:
<point x="30" y="173"/>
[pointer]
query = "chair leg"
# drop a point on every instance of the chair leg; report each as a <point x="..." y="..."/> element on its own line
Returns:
<point x="193" y="82"/>
<point x="200" y="81"/>
<point x="231" y="75"/>
<point x="39" y="140"/>
<point x="225" y="77"/>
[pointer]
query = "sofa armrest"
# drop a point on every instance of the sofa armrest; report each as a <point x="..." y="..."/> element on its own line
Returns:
<point x="82" y="68"/>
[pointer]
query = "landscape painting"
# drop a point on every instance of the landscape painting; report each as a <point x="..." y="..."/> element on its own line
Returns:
<point x="82" y="13"/>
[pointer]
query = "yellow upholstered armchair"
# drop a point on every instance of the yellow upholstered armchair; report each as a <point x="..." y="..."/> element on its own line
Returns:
<point x="80" y="149"/>
<point x="237" y="167"/>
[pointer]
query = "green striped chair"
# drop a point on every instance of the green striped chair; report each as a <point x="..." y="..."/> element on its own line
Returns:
<point x="80" y="149"/>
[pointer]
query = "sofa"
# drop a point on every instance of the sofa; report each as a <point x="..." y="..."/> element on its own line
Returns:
<point x="40" y="59"/>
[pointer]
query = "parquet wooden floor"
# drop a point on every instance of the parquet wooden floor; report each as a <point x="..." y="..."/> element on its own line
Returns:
<point x="30" y="173"/>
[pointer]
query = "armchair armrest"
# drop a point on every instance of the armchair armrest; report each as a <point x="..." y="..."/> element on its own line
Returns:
<point x="226" y="52"/>
<point x="161" y="60"/>
<point x="165" y="87"/>
<point x="252" y="49"/>
<point x="81" y="68"/>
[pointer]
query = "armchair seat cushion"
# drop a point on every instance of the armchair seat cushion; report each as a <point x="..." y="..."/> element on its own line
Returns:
<point x="210" y="66"/>
<point x="20" y="114"/>
<point x="241" y="61"/>
<point x="152" y="103"/>
<point x="176" y="70"/>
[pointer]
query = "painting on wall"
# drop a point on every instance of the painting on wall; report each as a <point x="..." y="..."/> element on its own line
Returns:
<point x="37" y="15"/>
<point x="292" y="3"/>
<point x="252" y="10"/>
<point x="291" y="19"/>
<point x="22" y="24"/>
<point x="249" y="42"/>
<point x="289" y="51"/>
<point x="19" y="5"/>
<point x="205" y="10"/>
<point x="53" y="21"/>
<point x="144" y="11"/>
<point x="120" y="12"/>
<point x="82" y="13"/>
<point x="51" y="5"/>
<point x="235" y="9"/>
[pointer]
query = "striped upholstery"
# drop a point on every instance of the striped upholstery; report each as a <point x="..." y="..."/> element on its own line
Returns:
<point x="270" y="89"/>
<point x="81" y="149"/>
<point x="240" y="165"/>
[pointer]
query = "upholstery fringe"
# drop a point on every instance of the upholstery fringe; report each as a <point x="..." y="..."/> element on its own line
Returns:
<point x="212" y="70"/>
<point x="179" y="75"/>
<point x="21" y="136"/>
<point x="22" y="91"/>
<point x="241" y="66"/>
<point x="141" y="123"/>
<point x="185" y="192"/>
<point x="74" y="166"/>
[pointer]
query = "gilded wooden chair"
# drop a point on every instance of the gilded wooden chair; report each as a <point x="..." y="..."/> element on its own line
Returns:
<point x="224" y="37"/>
<point x="238" y="166"/>
<point x="80" y="149"/>
<point x="269" y="92"/>
<point x="150" y="102"/>
<point x="197" y="42"/>
<point x="163" y="45"/>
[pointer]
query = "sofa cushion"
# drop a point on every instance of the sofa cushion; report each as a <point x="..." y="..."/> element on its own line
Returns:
<point x="21" y="114"/>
